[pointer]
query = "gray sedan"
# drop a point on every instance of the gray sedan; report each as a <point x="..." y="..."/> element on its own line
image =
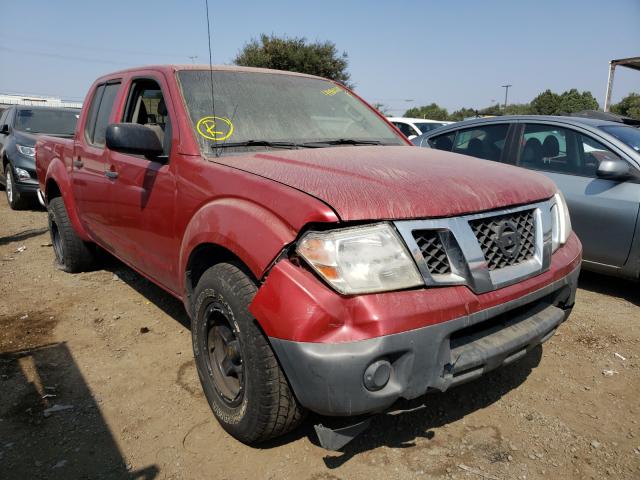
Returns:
<point x="595" y="163"/>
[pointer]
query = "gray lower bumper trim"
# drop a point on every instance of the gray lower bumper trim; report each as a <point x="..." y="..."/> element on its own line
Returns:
<point x="328" y="378"/>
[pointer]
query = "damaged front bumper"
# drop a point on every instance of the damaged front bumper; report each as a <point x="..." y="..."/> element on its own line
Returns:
<point x="336" y="378"/>
<point x="353" y="355"/>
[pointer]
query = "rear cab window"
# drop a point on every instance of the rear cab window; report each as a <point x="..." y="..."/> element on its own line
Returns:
<point x="100" y="112"/>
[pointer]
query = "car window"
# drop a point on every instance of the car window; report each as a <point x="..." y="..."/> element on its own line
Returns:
<point x="425" y="127"/>
<point x="486" y="141"/>
<point x="626" y="134"/>
<point x="592" y="153"/>
<point x="555" y="149"/>
<point x="99" y="113"/>
<point x="443" y="142"/>
<point x="406" y="129"/>
<point x="146" y="106"/>
<point x="3" y="116"/>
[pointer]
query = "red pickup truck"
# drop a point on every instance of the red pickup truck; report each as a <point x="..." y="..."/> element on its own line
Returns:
<point x="325" y="263"/>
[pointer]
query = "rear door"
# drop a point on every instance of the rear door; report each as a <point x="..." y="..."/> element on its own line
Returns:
<point x="603" y="212"/>
<point x="90" y="185"/>
<point x="143" y="189"/>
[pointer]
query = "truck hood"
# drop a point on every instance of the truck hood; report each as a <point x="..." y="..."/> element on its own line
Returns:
<point x="380" y="182"/>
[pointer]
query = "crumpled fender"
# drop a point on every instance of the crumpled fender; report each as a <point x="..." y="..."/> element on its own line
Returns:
<point x="57" y="172"/>
<point x="253" y="233"/>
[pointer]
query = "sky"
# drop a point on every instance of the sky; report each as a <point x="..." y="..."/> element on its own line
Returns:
<point x="402" y="54"/>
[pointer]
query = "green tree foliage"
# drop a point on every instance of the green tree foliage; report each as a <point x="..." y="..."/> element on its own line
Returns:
<point x="431" y="112"/>
<point x="518" y="109"/>
<point x="381" y="107"/>
<point x="296" y="55"/>
<point x="550" y="103"/>
<point x="463" y="113"/>
<point x="629" y="106"/>
<point x="547" y="103"/>
<point x="574" y="101"/>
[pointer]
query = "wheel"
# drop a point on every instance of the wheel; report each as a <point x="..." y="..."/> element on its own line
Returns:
<point x="241" y="378"/>
<point x="72" y="254"/>
<point x="14" y="198"/>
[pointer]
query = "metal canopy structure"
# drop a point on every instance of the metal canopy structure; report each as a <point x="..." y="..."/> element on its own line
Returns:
<point x="633" y="63"/>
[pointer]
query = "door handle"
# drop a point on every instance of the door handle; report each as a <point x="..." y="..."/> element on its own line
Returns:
<point x="111" y="174"/>
<point x="78" y="163"/>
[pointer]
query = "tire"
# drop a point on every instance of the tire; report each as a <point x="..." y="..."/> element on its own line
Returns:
<point x="14" y="198"/>
<point x="262" y="406"/>
<point x="72" y="254"/>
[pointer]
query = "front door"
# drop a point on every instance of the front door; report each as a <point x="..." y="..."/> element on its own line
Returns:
<point x="143" y="190"/>
<point x="603" y="212"/>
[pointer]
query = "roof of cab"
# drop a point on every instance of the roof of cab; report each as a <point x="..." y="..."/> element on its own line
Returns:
<point x="169" y="69"/>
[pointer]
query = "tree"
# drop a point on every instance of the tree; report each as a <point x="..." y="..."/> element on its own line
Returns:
<point x="463" y="113"/>
<point x="295" y="55"/>
<point x="518" y="109"/>
<point x="629" y="106"/>
<point x="431" y="112"/>
<point x="547" y="103"/>
<point x="550" y="103"/>
<point x="382" y="108"/>
<point x="574" y="101"/>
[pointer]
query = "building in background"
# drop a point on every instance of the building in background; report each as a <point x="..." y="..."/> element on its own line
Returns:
<point x="17" y="99"/>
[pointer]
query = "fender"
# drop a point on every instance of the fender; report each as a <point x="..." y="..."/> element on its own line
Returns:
<point x="250" y="231"/>
<point x="57" y="172"/>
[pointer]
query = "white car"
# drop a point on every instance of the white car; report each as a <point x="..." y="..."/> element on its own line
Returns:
<point x="412" y="127"/>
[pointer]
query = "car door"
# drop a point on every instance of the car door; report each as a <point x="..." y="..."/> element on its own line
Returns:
<point x="603" y="211"/>
<point x="90" y="184"/>
<point x="142" y="192"/>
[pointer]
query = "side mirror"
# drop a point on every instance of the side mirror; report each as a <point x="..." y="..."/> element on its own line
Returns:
<point x="4" y="129"/>
<point x="133" y="138"/>
<point x="613" y="169"/>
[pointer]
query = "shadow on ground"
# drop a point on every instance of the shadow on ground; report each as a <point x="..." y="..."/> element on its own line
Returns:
<point x="20" y="237"/>
<point x="50" y="421"/>
<point x="438" y="409"/>
<point x="615" y="287"/>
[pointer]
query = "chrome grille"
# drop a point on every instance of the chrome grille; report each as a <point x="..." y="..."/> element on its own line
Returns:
<point x="432" y="251"/>
<point x="490" y="232"/>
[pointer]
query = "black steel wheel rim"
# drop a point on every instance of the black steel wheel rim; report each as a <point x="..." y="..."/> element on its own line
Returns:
<point x="224" y="356"/>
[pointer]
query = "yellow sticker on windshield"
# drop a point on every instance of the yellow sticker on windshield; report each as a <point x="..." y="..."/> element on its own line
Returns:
<point x="329" y="92"/>
<point x="215" y="128"/>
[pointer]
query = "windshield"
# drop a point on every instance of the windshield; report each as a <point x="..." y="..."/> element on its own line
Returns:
<point x="267" y="107"/>
<point x="628" y="135"/>
<point x="425" y="127"/>
<point x="49" y="121"/>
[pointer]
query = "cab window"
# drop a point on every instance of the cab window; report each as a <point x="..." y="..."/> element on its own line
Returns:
<point x="486" y="141"/>
<point x="443" y="142"/>
<point x="146" y="106"/>
<point x="99" y="113"/>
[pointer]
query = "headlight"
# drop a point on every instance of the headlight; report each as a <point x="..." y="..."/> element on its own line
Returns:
<point x="561" y="227"/>
<point x="28" y="151"/>
<point x="22" y="174"/>
<point x="360" y="259"/>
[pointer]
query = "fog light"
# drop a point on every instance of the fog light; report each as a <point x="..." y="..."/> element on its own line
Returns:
<point x="22" y="174"/>
<point x="377" y="375"/>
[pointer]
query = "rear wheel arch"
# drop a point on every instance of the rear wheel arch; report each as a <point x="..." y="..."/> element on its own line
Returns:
<point x="52" y="190"/>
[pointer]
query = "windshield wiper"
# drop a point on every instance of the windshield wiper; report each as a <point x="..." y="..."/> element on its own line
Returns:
<point x="255" y="143"/>
<point x="343" y="141"/>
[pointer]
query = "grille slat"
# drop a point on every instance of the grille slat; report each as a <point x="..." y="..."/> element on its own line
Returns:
<point x="487" y="231"/>
<point x="433" y="251"/>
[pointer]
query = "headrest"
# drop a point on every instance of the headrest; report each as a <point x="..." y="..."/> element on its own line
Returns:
<point x="551" y="146"/>
<point x="162" y="108"/>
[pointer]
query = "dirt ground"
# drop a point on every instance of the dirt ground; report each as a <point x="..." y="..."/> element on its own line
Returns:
<point x="97" y="380"/>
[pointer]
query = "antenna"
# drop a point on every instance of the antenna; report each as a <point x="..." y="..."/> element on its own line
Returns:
<point x="213" y="102"/>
